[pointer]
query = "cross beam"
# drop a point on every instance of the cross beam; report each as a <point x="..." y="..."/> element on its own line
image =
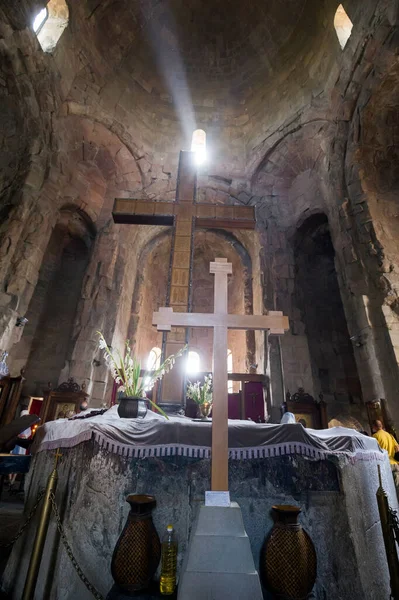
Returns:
<point x="184" y="215"/>
<point x="274" y="320"/>
<point x="221" y="321"/>
<point x="211" y="216"/>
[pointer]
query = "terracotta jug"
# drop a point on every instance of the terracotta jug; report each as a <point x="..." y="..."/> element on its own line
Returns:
<point x="138" y="549"/>
<point x="288" y="565"/>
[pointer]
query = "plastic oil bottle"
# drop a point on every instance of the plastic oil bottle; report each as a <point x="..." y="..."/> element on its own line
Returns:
<point x="168" y="562"/>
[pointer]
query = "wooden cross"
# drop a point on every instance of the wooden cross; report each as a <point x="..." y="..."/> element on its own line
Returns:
<point x="184" y="215"/>
<point x="221" y="321"/>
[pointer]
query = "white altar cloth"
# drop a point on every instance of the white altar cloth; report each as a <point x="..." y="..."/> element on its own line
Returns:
<point x="156" y="436"/>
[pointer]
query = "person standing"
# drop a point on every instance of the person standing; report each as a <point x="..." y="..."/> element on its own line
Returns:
<point x="387" y="442"/>
<point x="19" y="449"/>
<point x="23" y="436"/>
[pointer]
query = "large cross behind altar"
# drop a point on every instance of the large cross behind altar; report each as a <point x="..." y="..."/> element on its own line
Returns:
<point x="184" y="214"/>
<point x="221" y="321"/>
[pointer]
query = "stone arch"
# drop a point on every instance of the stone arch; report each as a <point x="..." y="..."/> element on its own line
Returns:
<point x="289" y="186"/>
<point x="96" y="166"/>
<point x="94" y="114"/>
<point x="147" y="298"/>
<point x="84" y="226"/>
<point x="289" y="179"/>
<point x="48" y="338"/>
<point x="90" y="167"/>
<point x="209" y="244"/>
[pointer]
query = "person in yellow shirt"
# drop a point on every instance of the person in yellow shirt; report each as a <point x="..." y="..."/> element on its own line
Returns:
<point x="387" y="442"/>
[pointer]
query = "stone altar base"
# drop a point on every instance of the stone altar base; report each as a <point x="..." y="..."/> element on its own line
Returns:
<point x="219" y="562"/>
<point x="336" y="495"/>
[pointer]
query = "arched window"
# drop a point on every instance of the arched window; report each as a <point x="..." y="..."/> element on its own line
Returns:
<point x="198" y="145"/>
<point x="193" y="362"/>
<point x="154" y="359"/>
<point x="230" y="384"/>
<point x="50" y="23"/>
<point x="40" y="20"/>
<point x="343" y="26"/>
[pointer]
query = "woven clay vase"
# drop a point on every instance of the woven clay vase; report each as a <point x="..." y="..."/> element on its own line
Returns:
<point x="288" y="565"/>
<point x="138" y="549"/>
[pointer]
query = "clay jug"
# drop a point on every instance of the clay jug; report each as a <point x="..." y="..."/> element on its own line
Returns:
<point x="288" y="565"/>
<point x="138" y="549"/>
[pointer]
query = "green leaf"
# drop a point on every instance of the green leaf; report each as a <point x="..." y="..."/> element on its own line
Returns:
<point x="126" y="371"/>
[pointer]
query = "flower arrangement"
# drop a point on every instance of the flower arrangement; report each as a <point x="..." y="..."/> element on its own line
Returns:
<point x="126" y="371"/>
<point x="202" y="395"/>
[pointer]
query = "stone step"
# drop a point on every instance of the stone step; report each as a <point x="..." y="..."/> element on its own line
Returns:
<point x="219" y="563"/>
<point x="206" y="552"/>
<point x="215" y="520"/>
<point x="217" y="586"/>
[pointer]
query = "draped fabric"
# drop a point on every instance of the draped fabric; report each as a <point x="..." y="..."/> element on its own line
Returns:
<point x="156" y="436"/>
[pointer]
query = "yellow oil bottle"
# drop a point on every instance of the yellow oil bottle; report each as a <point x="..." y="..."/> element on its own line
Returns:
<point x="168" y="562"/>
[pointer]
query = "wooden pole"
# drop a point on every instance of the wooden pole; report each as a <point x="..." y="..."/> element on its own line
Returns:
<point x="220" y="432"/>
<point x="41" y="533"/>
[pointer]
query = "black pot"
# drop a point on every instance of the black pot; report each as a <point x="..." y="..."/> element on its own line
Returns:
<point x="132" y="408"/>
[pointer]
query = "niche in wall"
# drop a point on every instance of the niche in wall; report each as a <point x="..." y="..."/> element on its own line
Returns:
<point x="48" y="337"/>
<point x="318" y="297"/>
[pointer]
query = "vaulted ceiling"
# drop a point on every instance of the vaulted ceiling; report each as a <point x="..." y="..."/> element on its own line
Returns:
<point x="219" y="50"/>
<point x="236" y="69"/>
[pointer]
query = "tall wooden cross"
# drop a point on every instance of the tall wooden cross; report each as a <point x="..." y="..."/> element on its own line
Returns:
<point x="184" y="214"/>
<point x="221" y="321"/>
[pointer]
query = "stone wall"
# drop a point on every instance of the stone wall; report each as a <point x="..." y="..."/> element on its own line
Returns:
<point x="151" y="289"/>
<point x="295" y="126"/>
